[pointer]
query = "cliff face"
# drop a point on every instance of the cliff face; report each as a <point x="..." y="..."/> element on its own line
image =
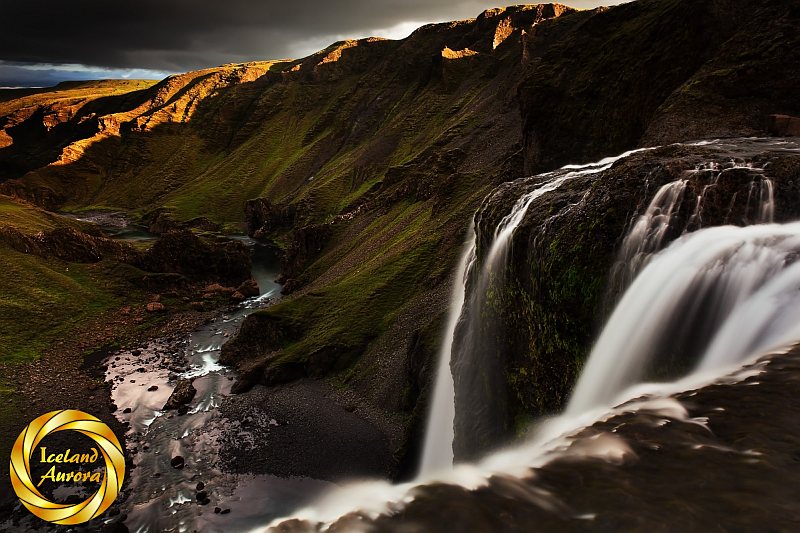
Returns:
<point x="653" y="72"/>
<point x="560" y="284"/>
<point x="365" y="161"/>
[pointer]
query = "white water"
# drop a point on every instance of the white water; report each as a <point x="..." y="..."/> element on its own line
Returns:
<point x="437" y="456"/>
<point x="746" y="278"/>
<point x="728" y="287"/>
<point x="647" y="235"/>
<point x="477" y="375"/>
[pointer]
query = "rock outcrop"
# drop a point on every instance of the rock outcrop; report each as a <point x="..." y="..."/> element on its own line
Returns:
<point x="559" y="285"/>
<point x="182" y="394"/>
<point x="185" y="253"/>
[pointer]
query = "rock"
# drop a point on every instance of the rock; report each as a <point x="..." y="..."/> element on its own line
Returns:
<point x="237" y="296"/>
<point x="156" y="307"/>
<point x="217" y="288"/>
<point x="136" y="353"/>
<point x="182" y="394"/>
<point x="182" y="410"/>
<point x="177" y="462"/>
<point x="197" y="305"/>
<point x="784" y="125"/>
<point x="183" y="252"/>
<point x="200" y="486"/>
<point x="249" y="288"/>
<point x="225" y="511"/>
<point x="126" y="411"/>
<point x="217" y="510"/>
<point x="202" y="498"/>
<point x="152" y="388"/>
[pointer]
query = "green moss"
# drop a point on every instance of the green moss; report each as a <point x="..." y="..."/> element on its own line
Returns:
<point x="43" y="300"/>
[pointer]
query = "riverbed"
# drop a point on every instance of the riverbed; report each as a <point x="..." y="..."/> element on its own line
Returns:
<point x="199" y="495"/>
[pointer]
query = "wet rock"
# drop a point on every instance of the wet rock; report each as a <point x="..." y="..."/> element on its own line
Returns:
<point x="184" y="393"/>
<point x="217" y="510"/>
<point x="249" y="288"/>
<point x="152" y="388"/>
<point x="202" y="498"/>
<point x="216" y="288"/>
<point x="126" y="411"/>
<point x="177" y="462"/>
<point x="136" y="353"/>
<point x="225" y="511"/>
<point x="182" y="410"/>
<point x="200" y="486"/>
<point x="784" y="125"/>
<point x="155" y="307"/>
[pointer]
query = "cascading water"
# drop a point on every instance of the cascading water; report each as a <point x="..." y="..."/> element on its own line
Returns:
<point x="468" y="352"/>
<point x="437" y="453"/>
<point x="713" y="298"/>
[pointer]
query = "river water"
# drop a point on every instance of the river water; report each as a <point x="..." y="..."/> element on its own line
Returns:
<point x="159" y="496"/>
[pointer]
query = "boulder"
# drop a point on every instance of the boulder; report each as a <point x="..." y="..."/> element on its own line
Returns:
<point x="784" y="125"/>
<point x="182" y="394"/>
<point x="249" y="288"/>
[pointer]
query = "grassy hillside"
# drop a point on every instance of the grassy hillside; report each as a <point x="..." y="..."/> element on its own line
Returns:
<point x="41" y="299"/>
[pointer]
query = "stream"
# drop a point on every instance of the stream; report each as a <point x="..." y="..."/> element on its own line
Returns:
<point x="197" y="495"/>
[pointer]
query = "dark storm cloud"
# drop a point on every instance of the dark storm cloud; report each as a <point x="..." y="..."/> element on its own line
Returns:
<point x="177" y="35"/>
<point x="43" y="42"/>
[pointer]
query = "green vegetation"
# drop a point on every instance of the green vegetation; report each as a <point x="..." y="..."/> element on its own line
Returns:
<point x="44" y="300"/>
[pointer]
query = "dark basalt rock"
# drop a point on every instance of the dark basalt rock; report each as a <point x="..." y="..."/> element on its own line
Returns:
<point x="557" y="289"/>
<point x="68" y="244"/>
<point x="185" y="253"/>
<point x="182" y="394"/>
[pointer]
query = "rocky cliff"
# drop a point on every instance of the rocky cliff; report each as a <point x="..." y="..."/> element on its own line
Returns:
<point x="567" y="264"/>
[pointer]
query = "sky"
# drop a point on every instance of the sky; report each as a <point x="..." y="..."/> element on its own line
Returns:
<point x="44" y="42"/>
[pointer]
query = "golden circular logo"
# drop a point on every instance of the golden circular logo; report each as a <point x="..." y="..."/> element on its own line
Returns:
<point x="110" y="483"/>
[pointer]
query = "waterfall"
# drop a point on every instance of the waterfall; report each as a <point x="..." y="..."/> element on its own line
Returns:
<point x="438" y="448"/>
<point x="469" y="347"/>
<point x="692" y="303"/>
<point x="709" y="300"/>
<point x="647" y="235"/>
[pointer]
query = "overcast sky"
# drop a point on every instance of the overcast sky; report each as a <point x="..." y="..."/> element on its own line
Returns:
<point x="43" y="42"/>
